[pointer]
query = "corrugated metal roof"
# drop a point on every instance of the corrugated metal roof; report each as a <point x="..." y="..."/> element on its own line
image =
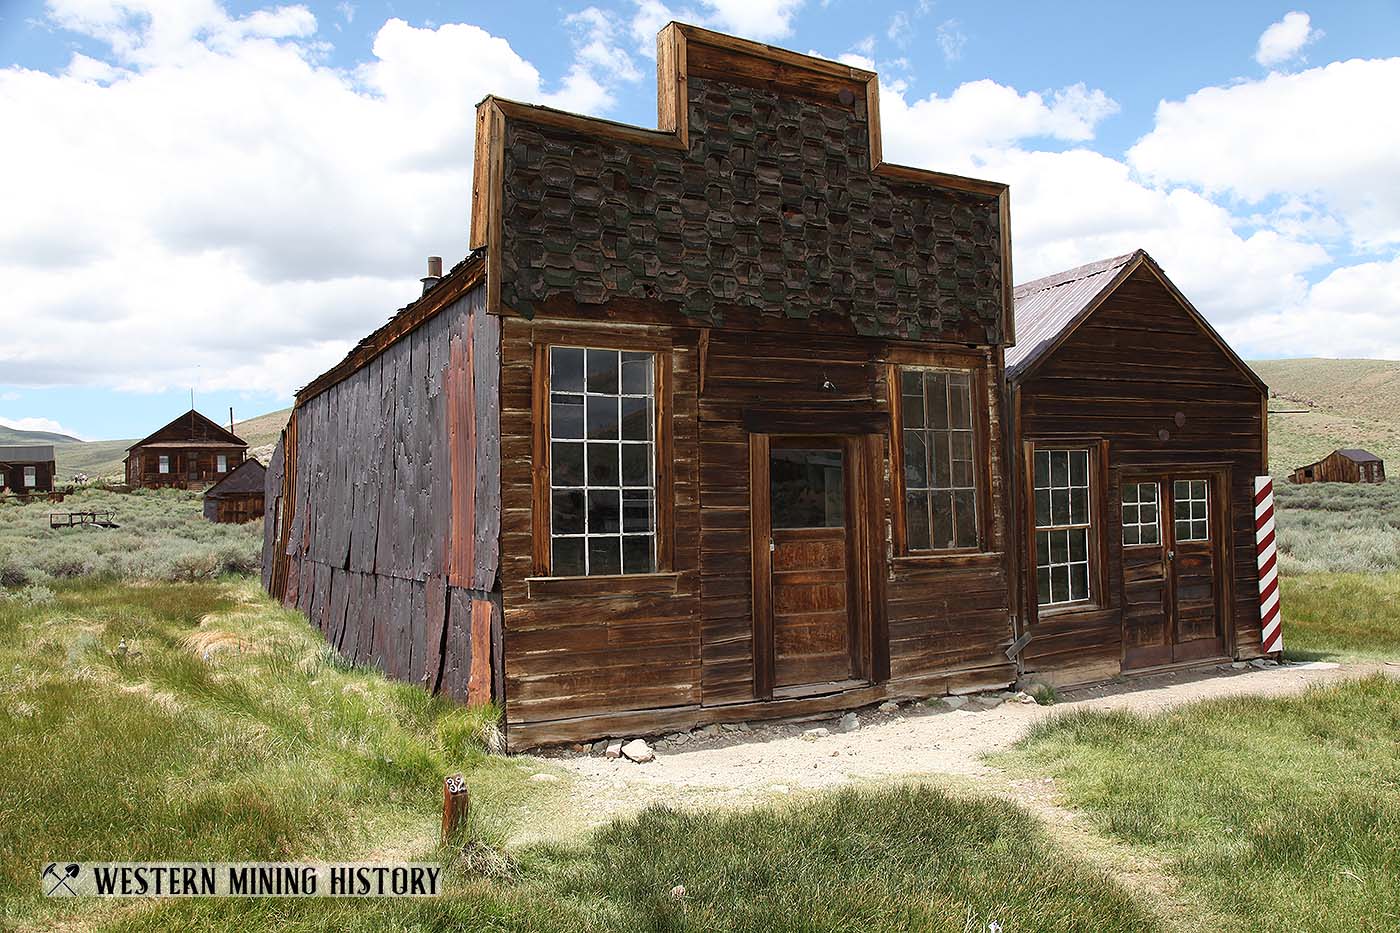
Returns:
<point x="1046" y="307"/>
<point x="27" y="453"/>
<point x="1358" y="455"/>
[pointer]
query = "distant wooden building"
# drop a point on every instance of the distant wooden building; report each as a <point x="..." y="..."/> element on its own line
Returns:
<point x="27" y="468"/>
<point x="709" y="427"/>
<point x="238" y="497"/>
<point x="1347" y="465"/>
<point x="1138" y="433"/>
<point x="190" y="452"/>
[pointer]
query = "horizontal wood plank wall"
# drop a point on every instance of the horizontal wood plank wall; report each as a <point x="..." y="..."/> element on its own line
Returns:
<point x="375" y="501"/>
<point x="594" y="647"/>
<point x="1124" y="376"/>
<point x="592" y="661"/>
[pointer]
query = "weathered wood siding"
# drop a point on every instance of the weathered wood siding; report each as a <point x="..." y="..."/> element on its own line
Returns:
<point x="584" y="660"/>
<point x="12" y="476"/>
<point x="1339" y="468"/>
<point x="373" y="519"/>
<point x="1124" y="376"/>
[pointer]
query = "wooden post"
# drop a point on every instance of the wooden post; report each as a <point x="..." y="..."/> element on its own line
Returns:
<point x="456" y="803"/>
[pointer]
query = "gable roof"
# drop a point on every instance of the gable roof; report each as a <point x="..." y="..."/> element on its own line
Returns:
<point x="26" y="453"/>
<point x="1358" y="455"/>
<point x="211" y="429"/>
<point x="248" y="476"/>
<point x="1050" y="309"/>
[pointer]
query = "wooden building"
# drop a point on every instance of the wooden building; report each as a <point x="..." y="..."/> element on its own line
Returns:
<point x="1347" y="465"/>
<point x="26" y="468"/>
<point x="190" y="452"/>
<point x="708" y="427"/>
<point x="1138" y="433"/>
<point x="238" y="497"/>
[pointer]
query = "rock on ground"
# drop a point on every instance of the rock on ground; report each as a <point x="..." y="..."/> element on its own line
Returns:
<point x="639" y="751"/>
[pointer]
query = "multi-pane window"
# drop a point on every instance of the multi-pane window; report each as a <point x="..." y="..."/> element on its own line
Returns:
<point x="164" y="464"/>
<point x="1191" y="509"/>
<point x="940" y="475"/>
<point x="222" y="466"/>
<point x="1062" y="526"/>
<point x="602" y="461"/>
<point x="1140" y="509"/>
<point x="31" y="477"/>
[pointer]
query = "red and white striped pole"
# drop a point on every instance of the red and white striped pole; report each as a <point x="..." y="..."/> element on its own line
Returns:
<point x="1270" y="620"/>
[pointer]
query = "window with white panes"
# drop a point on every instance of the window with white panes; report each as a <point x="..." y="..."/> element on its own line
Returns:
<point x="1140" y="514"/>
<point x="602" y="461"/>
<point x="1062" y="526"/>
<point x="164" y="464"/>
<point x="31" y="476"/>
<point x="1191" y="509"/>
<point x="222" y="465"/>
<point x="940" y="474"/>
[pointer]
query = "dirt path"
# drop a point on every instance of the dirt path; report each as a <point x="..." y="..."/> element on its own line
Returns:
<point x="930" y="741"/>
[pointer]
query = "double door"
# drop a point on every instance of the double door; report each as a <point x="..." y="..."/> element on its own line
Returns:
<point x="1172" y="532"/>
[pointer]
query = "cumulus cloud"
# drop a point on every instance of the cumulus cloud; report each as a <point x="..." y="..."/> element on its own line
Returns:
<point x="762" y="20"/>
<point x="214" y="204"/>
<point x="1285" y="40"/>
<point x="1314" y="138"/>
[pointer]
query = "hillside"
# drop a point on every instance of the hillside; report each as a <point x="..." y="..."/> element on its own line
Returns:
<point x="1349" y="403"/>
<point x="104" y="458"/>
<point x="16" y="436"/>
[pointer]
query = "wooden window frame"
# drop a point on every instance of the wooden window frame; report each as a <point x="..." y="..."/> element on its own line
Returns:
<point x="163" y="465"/>
<point x="662" y="350"/>
<point x="1098" y="598"/>
<point x="30" y="477"/>
<point x="975" y="366"/>
<point x="1176" y="538"/>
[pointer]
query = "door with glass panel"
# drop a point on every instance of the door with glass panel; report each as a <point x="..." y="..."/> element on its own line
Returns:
<point x="805" y="613"/>
<point x="1171" y="569"/>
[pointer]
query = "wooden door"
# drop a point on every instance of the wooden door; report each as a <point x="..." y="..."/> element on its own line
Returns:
<point x="1171" y="569"/>
<point x="805" y="614"/>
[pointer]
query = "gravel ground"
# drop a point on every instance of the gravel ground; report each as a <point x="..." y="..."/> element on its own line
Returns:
<point x="712" y="767"/>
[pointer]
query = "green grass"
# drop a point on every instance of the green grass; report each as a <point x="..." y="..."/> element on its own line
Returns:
<point x="1283" y="814"/>
<point x="1349" y="403"/>
<point x="1338" y="616"/>
<point x="223" y="730"/>
<point x="226" y="730"/>
<point x="163" y="536"/>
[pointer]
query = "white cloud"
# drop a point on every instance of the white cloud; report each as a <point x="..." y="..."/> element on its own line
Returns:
<point x="36" y="424"/>
<point x="1353" y="312"/>
<point x="901" y="28"/>
<point x="9" y="396"/>
<point x="1285" y="40"/>
<point x="1318" y="138"/>
<point x="951" y="40"/>
<point x="216" y="206"/>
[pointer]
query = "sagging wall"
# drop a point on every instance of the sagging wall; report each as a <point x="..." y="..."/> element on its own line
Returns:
<point x="384" y="493"/>
<point x="1123" y="376"/>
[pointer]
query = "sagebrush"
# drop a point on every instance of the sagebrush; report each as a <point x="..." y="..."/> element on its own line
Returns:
<point x="163" y="536"/>
<point x="1338" y="527"/>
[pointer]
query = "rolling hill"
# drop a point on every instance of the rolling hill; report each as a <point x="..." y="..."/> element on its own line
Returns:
<point x="16" y="436"/>
<point x="1336" y="403"/>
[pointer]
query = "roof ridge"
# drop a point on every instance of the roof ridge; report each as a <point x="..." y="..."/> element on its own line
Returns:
<point x="1068" y="276"/>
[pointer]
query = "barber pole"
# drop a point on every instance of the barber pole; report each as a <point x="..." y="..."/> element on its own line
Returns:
<point x="1271" y="622"/>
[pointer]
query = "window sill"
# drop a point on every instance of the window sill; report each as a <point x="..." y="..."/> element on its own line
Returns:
<point x="1068" y="609"/>
<point x="628" y="584"/>
<point x="950" y="558"/>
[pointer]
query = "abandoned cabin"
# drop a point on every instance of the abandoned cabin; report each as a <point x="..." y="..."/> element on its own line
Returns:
<point x="238" y="497"/>
<point x="26" y="468"/>
<point x="190" y="452"/>
<point x="1347" y="465"/>
<point x="710" y="426"/>
<point x="1138" y="435"/>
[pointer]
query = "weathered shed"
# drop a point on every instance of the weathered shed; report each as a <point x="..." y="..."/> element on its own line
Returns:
<point x="238" y="497"/>
<point x="26" y="468"/>
<point x="1346" y="465"/>
<point x="1138" y="433"/>
<point x="190" y="452"/>
<point x="708" y="427"/>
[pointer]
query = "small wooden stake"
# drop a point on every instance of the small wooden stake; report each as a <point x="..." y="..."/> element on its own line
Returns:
<point x="455" y="804"/>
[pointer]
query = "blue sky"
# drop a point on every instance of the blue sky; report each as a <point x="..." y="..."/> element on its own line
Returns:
<point x="227" y="196"/>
